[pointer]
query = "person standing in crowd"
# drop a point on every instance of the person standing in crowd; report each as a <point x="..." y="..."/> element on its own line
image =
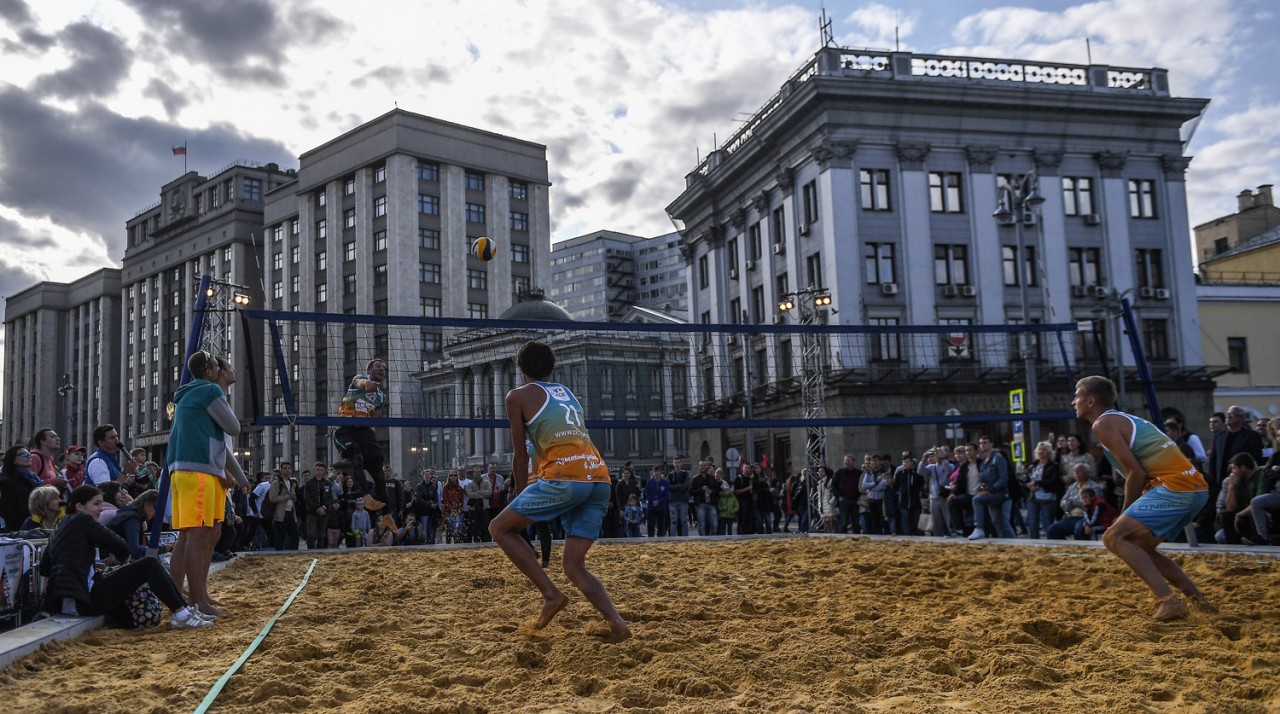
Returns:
<point x="680" y="483"/>
<point x="965" y="481"/>
<point x="744" y="491"/>
<point x="1045" y="484"/>
<point x="706" y="500"/>
<point x="873" y="484"/>
<point x="479" y="491"/>
<point x="397" y="494"/>
<point x="17" y="481"/>
<point x="993" y="493"/>
<point x="425" y="506"/>
<point x="633" y="515"/>
<point x="764" y="500"/>
<point x="284" y="496"/>
<point x="847" y="481"/>
<point x="1163" y="492"/>
<point x="316" y="496"/>
<point x="1235" y="438"/>
<point x="572" y="484"/>
<point x="726" y="505"/>
<point x="198" y="479"/>
<point x="626" y="487"/>
<point x="908" y="489"/>
<point x="358" y="445"/>
<point x="657" y="503"/>
<point x="937" y="481"/>
<point x="452" y="498"/>
<point x="828" y="505"/>
<point x="104" y="464"/>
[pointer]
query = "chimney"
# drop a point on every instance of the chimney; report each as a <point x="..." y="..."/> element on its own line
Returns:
<point x="1244" y="201"/>
<point x="1264" y="196"/>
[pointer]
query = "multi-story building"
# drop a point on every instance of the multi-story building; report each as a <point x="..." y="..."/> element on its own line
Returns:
<point x="379" y="221"/>
<point x="597" y="277"/>
<point x="1224" y="244"/>
<point x="201" y="227"/>
<point x="62" y="358"/>
<point x="875" y="175"/>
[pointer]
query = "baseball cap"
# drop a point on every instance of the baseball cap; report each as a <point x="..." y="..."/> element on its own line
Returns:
<point x="70" y="449"/>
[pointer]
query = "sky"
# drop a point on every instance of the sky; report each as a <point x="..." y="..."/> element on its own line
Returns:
<point x="626" y="94"/>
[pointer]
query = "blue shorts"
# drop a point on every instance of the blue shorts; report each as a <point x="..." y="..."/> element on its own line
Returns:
<point x="1165" y="513"/>
<point x="581" y="505"/>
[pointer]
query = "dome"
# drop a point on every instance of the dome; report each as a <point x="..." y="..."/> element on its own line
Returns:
<point x="533" y="305"/>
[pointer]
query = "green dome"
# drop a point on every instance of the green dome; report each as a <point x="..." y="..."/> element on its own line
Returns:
<point x="533" y="305"/>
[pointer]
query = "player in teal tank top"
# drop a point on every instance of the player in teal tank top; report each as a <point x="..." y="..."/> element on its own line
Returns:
<point x="1163" y="493"/>
<point x="572" y="484"/>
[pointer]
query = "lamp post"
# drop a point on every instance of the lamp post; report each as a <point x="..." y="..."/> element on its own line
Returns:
<point x="243" y="455"/>
<point x="1018" y="197"/>
<point x="806" y="305"/>
<point x="420" y="451"/>
<point x="65" y="392"/>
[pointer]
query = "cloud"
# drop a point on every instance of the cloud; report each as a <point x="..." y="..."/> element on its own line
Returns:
<point x="15" y="234"/>
<point x="878" y="26"/>
<point x="245" y="40"/>
<point x="86" y="171"/>
<point x="15" y="12"/>
<point x="172" y="99"/>
<point x="1218" y="171"/>
<point x="100" y="62"/>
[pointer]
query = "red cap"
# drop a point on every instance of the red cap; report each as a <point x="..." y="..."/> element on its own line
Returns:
<point x="75" y="448"/>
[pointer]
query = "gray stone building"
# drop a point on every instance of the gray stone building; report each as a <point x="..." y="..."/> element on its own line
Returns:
<point x="62" y="358"/>
<point x="201" y="226"/>
<point x="596" y="277"/>
<point x="875" y="175"/>
<point x="379" y="221"/>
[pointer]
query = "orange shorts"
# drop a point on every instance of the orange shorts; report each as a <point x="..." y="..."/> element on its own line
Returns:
<point x="198" y="499"/>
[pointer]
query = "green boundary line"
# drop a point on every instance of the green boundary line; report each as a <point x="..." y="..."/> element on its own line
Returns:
<point x="244" y="656"/>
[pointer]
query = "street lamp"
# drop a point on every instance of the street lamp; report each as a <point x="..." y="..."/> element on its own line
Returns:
<point x="420" y="450"/>
<point x="1015" y="199"/>
<point x="65" y="392"/>
<point x="806" y="305"/>
<point x="243" y="455"/>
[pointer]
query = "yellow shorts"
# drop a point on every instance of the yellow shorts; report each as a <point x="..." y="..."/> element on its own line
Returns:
<point x="198" y="499"/>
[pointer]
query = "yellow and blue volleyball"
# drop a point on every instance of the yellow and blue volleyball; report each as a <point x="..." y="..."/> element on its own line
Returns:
<point x="483" y="248"/>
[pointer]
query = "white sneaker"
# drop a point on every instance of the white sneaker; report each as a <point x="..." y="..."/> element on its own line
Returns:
<point x="195" y="610"/>
<point x="978" y="534"/>
<point x="192" y="620"/>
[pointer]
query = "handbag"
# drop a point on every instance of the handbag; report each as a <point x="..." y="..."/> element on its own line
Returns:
<point x="141" y="609"/>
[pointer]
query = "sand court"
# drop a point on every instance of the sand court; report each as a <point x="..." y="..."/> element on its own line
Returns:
<point x="783" y="624"/>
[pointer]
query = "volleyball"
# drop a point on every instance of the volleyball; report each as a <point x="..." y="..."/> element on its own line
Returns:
<point x="483" y="249"/>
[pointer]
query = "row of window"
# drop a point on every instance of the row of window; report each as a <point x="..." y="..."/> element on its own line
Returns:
<point x="429" y="238"/>
<point x="427" y="171"/>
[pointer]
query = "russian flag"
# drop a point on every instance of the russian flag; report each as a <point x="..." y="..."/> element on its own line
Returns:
<point x="180" y="150"/>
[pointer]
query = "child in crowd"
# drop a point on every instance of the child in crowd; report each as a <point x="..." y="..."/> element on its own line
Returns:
<point x="633" y="514"/>
<point x="333" y="528"/>
<point x="360" y="524"/>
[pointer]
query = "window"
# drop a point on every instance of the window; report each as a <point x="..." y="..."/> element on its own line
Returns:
<point x="519" y="285"/>
<point x="1142" y="198"/>
<point x="519" y="253"/>
<point x="475" y="213"/>
<point x="321" y="199"/>
<point x="753" y="242"/>
<point x="348" y="285"/>
<point x="757" y="304"/>
<point x="429" y="238"/>
<point x="732" y="252"/>
<point x="380" y="173"/>
<point x="379" y="206"/>
<point x="293" y="284"/>
<point x="348" y="251"/>
<point x="519" y="221"/>
<point x="293" y="255"/>
<point x="428" y="171"/>
<point x="429" y="273"/>
<point x="810" y="193"/>
<point x="781" y="285"/>
<point x="735" y="311"/>
<point x="1082" y="267"/>
<point x="879" y="263"/>
<point x="349" y="186"/>
<point x="1238" y="354"/>
<point x="277" y="261"/>
<point x="518" y="190"/>
<point x="704" y="273"/>
<point x="277" y="233"/>
<point x="431" y="341"/>
<point x="428" y="204"/>
<point x="379" y="241"/>
<point x="322" y="294"/>
<point x="349" y="218"/>
<point x="950" y="264"/>
<point x="813" y="270"/>
<point x="380" y="274"/>
<point x="477" y="279"/>
<point x="430" y="307"/>
<point x="252" y="189"/>
<point x="944" y="193"/>
<point x="322" y="229"/>
<point x="475" y="181"/>
<point x="277" y="289"/>
<point x="477" y="311"/>
<point x="1077" y="195"/>
<point x="875" y="189"/>
<point x="1155" y="338"/>
<point x="322" y="260"/>
<point x="888" y="345"/>
<point x="294" y="227"/>
<point x="1150" y="270"/>
<point x="1009" y="259"/>
<point x="778" y="225"/>
<point x="380" y="308"/>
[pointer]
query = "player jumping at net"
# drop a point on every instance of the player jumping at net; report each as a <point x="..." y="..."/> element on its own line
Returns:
<point x="1163" y="492"/>
<point x="358" y="445"/>
<point x="572" y="482"/>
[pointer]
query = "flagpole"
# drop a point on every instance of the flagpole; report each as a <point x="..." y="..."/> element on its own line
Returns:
<point x="184" y="158"/>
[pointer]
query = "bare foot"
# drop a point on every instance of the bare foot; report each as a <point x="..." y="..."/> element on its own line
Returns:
<point x="1171" y="608"/>
<point x="550" y="606"/>
<point x="619" y="632"/>
<point x="208" y="609"/>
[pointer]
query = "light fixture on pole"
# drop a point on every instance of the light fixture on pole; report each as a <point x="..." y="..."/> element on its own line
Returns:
<point x="1017" y="199"/>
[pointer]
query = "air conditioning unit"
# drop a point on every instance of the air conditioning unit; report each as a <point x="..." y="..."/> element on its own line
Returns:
<point x="888" y="288"/>
<point x="949" y="291"/>
<point x="1146" y="292"/>
<point x="779" y="248"/>
<point x="1162" y="294"/>
<point x="1099" y="292"/>
<point x="1079" y="290"/>
<point x="1092" y="219"/>
<point x="802" y="229"/>
<point x="733" y="273"/>
<point x="968" y="290"/>
<point x="751" y="265"/>
<point x="1028" y="218"/>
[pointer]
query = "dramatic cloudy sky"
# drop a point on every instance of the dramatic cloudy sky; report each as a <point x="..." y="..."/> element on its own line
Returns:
<point x="625" y="94"/>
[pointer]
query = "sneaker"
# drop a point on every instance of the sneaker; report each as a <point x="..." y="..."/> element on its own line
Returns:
<point x="372" y="504"/>
<point x="193" y="620"/>
<point x="195" y="610"/>
<point x="978" y="534"/>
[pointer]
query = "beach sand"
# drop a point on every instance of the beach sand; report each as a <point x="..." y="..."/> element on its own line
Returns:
<point x="784" y="624"/>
